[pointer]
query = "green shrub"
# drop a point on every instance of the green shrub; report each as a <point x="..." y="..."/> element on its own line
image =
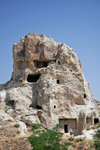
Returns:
<point x="99" y="125"/>
<point x="97" y="143"/>
<point x="93" y="128"/>
<point x="18" y="131"/>
<point x="51" y="62"/>
<point x="17" y="125"/>
<point x="7" y="109"/>
<point x="97" y="140"/>
<point x="71" y="138"/>
<point x="46" y="139"/>
<point x="14" y="115"/>
<point x="88" y="127"/>
<point x="80" y="139"/>
<point x="97" y="135"/>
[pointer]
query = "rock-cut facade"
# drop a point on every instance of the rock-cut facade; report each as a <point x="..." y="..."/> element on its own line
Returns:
<point x="48" y="78"/>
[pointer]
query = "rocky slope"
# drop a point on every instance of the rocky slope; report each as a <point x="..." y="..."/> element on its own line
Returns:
<point x="47" y="87"/>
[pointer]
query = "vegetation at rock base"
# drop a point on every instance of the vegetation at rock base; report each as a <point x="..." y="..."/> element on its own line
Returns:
<point x="80" y="139"/>
<point x="71" y="138"/>
<point x="97" y="140"/>
<point x="17" y="125"/>
<point x="47" y="139"/>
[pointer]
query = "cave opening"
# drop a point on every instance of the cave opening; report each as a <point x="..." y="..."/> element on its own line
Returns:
<point x="45" y="64"/>
<point x="57" y="81"/>
<point x="54" y="106"/>
<point x="38" y="107"/>
<point x="33" y="78"/>
<point x="84" y="95"/>
<point x="96" y="120"/>
<point x="58" y="62"/>
<point x="66" y="128"/>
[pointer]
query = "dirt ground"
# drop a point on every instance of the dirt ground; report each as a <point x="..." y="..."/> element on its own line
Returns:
<point x="10" y="139"/>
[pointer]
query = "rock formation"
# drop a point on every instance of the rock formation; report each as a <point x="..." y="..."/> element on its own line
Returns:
<point x="48" y="85"/>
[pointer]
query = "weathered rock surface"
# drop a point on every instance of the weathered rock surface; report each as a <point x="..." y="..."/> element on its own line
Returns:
<point x="48" y="76"/>
<point x="30" y="119"/>
<point x="2" y="96"/>
<point x="22" y="127"/>
<point x="21" y="96"/>
<point x="4" y="116"/>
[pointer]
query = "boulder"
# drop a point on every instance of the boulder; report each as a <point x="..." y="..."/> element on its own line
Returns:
<point x="22" y="127"/>
<point x="22" y="97"/>
<point x="4" y="116"/>
<point x="30" y="120"/>
<point x="2" y="96"/>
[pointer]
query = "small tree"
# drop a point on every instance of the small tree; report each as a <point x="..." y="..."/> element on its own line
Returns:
<point x="47" y="139"/>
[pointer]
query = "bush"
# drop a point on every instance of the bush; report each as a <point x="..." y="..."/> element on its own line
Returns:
<point x="18" y="131"/>
<point x="47" y="139"/>
<point x="7" y="109"/>
<point x="88" y="127"/>
<point x="51" y="62"/>
<point x="97" y="144"/>
<point x="17" y="125"/>
<point x="99" y="125"/>
<point x="80" y="139"/>
<point x="97" y="140"/>
<point x="97" y="135"/>
<point x="71" y="138"/>
<point x="93" y="128"/>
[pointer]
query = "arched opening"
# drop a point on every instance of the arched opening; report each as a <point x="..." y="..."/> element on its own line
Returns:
<point x="33" y="78"/>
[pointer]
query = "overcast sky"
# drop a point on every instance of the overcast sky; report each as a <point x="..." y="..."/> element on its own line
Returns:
<point x="73" y="22"/>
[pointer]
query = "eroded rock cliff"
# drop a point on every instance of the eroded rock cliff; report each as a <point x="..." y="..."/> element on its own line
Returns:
<point x="47" y="76"/>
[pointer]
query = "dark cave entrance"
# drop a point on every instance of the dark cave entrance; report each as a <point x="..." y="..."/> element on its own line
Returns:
<point x="66" y="128"/>
<point x="57" y="81"/>
<point x="45" y="64"/>
<point x="84" y="95"/>
<point x="96" y="120"/>
<point x="33" y="78"/>
<point x="38" y="107"/>
<point x="54" y="106"/>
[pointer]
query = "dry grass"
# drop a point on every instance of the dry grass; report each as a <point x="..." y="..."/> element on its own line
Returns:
<point x="79" y="145"/>
<point x="10" y="139"/>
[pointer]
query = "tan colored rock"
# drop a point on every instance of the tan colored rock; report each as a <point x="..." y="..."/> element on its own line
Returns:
<point x="4" y="116"/>
<point x="2" y="96"/>
<point x="22" y="97"/>
<point x="48" y="77"/>
<point x="22" y="127"/>
<point x="30" y="120"/>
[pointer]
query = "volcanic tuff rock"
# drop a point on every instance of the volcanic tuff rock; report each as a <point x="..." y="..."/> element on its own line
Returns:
<point x="47" y="77"/>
